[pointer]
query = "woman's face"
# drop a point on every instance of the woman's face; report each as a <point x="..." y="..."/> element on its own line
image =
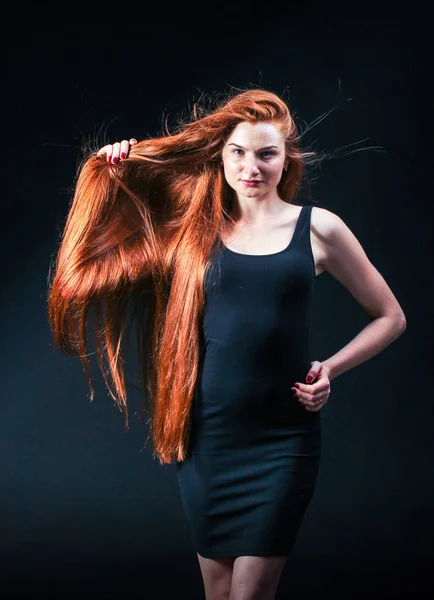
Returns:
<point x="253" y="158"/>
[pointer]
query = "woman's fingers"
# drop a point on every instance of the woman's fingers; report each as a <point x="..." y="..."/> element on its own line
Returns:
<point x="312" y="397"/>
<point x="117" y="151"/>
<point x="124" y="148"/>
<point x="316" y="402"/>
<point x="106" y="151"/>
<point x="313" y="404"/>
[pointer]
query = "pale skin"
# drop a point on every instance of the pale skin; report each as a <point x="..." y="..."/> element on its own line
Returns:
<point x="264" y="225"/>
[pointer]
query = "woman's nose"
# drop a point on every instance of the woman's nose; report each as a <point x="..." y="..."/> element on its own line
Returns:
<point x="251" y="166"/>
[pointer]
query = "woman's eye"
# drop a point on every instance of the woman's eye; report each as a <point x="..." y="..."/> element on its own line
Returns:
<point x="266" y="154"/>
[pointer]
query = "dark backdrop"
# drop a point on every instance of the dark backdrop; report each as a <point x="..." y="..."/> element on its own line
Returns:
<point x="85" y="511"/>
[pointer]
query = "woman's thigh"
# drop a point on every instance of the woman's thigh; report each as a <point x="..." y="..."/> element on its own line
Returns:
<point x="217" y="577"/>
<point x="256" y="576"/>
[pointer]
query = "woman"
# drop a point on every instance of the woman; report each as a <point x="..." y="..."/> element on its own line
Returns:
<point x="199" y="231"/>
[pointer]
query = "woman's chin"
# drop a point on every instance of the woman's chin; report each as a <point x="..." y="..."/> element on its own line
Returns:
<point x="250" y="192"/>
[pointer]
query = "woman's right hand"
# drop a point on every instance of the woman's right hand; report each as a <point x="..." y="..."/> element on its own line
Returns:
<point x="116" y="151"/>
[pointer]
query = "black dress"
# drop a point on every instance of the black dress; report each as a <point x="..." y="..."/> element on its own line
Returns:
<point x="254" y="450"/>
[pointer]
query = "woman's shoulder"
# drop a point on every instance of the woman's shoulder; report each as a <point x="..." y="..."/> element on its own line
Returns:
<point x="325" y="223"/>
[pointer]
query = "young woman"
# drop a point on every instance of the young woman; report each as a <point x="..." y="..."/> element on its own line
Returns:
<point x="198" y="231"/>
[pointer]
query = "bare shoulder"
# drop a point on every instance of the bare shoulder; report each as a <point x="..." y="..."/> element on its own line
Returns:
<point x="323" y="227"/>
<point x="325" y="224"/>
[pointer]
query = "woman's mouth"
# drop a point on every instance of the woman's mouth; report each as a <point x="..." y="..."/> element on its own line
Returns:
<point x="251" y="182"/>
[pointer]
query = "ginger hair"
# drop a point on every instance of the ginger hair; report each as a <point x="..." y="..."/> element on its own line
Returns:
<point x="136" y="245"/>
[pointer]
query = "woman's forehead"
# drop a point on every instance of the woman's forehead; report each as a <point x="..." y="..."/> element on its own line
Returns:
<point x="264" y="133"/>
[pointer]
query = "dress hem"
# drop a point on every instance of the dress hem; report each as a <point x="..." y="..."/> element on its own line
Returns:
<point x="244" y="553"/>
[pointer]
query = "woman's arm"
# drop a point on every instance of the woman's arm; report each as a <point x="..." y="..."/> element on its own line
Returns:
<point x="348" y="263"/>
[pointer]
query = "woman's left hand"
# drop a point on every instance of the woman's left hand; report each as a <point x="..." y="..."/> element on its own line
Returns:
<point x="314" y="396"/>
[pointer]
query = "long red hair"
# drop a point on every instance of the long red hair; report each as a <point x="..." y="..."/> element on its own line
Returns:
<point x="136" y="245"/>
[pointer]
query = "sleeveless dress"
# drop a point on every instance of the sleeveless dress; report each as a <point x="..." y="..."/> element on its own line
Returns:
<point x="254" y="450"/>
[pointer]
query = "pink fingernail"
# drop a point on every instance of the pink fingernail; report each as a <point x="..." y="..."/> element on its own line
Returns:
<point x="123" y="154"/>
<point x="115" y="159"/>
<point x="309" y="379"/>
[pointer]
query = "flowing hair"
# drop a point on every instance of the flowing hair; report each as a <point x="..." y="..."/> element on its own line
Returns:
<point x="137" y="243"/>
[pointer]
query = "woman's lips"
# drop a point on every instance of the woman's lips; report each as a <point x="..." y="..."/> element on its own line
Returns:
<point x="252" y="183"/>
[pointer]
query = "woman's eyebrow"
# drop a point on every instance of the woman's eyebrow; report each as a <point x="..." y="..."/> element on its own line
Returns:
<point x="264" y="148"/>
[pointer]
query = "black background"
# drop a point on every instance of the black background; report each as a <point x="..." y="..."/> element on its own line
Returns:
<point x="85" y="510"/>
